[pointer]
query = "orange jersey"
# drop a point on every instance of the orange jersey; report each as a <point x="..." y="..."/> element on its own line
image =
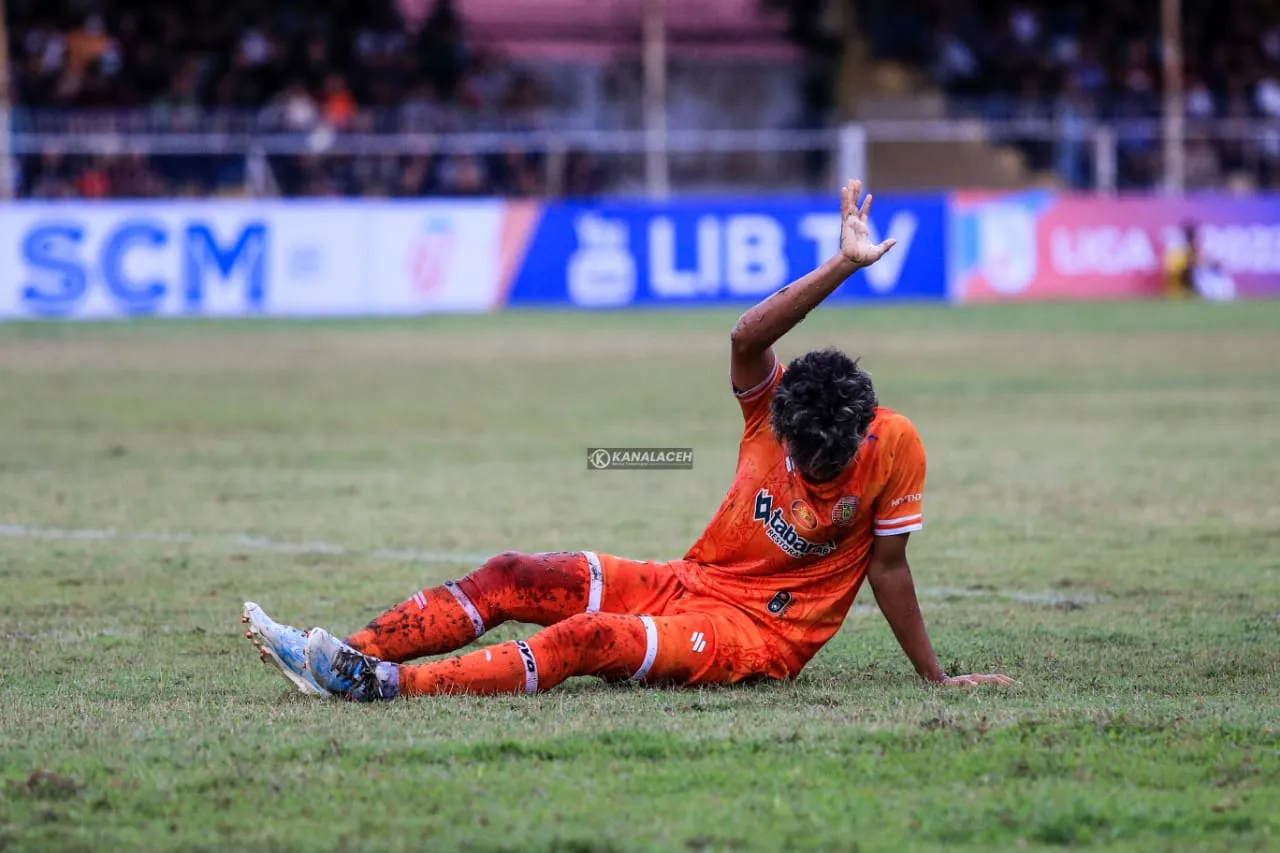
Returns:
<point x="792" y="553"/>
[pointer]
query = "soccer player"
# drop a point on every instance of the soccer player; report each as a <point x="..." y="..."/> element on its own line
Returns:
<point x="827" y="492"/>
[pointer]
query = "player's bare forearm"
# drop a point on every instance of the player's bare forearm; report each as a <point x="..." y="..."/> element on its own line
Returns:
<point x="890" y="578"/>
<point x="764" y="324"/>
<point x="759" y="328"/>
<point x="895" y="592"/>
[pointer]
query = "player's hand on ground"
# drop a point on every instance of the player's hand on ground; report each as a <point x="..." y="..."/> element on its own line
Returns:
<point x="976" y="679"/>
<point x="855" y="232"/>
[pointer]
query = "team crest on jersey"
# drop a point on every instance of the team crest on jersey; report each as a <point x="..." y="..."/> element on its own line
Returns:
<point x="843" y="511"/>
<point x="783" y="534"/>
<point x="804" y="515"/>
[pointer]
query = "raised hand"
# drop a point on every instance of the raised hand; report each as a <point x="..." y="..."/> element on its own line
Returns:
<point x="855" y="233"/>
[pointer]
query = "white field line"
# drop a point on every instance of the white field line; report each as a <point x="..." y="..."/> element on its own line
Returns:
<point x="1079" y="596"/>
<point x="234" y="540"/>
<point x="247" y="542"/>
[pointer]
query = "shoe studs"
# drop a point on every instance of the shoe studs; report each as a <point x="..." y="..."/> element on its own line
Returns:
<point x="249" y="635"/>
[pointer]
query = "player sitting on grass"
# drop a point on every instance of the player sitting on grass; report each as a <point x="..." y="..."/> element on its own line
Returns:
<point x="827" y="491"/>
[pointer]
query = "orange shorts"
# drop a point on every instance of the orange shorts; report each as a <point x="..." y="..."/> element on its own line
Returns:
<point x="699" y="640"/>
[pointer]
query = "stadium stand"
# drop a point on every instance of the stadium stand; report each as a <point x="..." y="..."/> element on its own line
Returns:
<point x="1022" y="83"/>
<point x="1074" y="63"/>
<point x="416" y="66"/>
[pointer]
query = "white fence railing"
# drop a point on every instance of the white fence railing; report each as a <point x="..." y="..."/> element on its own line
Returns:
<point x="1083" y="154"/>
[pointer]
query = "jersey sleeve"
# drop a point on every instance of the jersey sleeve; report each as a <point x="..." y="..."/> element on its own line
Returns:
<point x="755" y="401"/>
<point x="898" y="509"/>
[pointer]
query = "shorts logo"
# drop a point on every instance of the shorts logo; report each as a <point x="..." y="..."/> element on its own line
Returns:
<point x="779" y="603"/>
<point x="698" y="641"/>
<point x="843" y="511"/>
<point x="804" y="515"/>
<point x="783" y="534"/>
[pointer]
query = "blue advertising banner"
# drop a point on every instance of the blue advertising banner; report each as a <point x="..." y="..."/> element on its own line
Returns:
<point x="86" y="260"/>
<point x="619" y="254"/>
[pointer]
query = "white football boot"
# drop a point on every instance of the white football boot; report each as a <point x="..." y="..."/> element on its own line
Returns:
<point x="282" y="645"/>
<point x="342" y="670"/>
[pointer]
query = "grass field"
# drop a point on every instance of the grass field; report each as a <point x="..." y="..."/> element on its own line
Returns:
<point x="1103" y="523"/>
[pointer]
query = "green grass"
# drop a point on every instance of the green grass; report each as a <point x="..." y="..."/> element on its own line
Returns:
<point x="1103" y="523"/>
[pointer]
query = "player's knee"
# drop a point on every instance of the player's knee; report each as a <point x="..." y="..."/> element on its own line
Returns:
<point x="602" y="642"/>
<point x="592" y="629"/>
<point x="499" y="572"/>
<point x="539" y="588"/>
<point x="516" y="570"/>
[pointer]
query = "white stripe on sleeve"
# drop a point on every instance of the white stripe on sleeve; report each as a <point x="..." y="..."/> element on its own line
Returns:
<point x="885" y="522"/>
<point x="894" y="531"/>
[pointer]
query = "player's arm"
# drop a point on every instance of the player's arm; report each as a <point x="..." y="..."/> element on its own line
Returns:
<point x="757" y="330"/>
<point x="895" y="591"/>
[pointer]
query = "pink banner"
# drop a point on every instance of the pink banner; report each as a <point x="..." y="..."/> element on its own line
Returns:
<point x="1047" y="246"/>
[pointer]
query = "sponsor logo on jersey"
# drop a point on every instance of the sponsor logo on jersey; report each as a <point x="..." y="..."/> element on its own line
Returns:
<point x="783" y="534"/>
<point x="779" y="603"/>
<point x="906" y="499"/>
<point x="698" y="641"/>
<point x="804" y="515"/>
<point x="843" y="510"/>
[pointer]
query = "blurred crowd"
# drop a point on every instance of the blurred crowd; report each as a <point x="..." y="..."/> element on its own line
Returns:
<point x="312" y="69"/>
<point x="1077" y="61"/>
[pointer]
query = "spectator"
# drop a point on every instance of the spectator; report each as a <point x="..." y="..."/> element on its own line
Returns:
<point x="338" y="107"/>
<point x="462" y="175"/>
<point x="421" y="111"/>
<point x="1189" y="273"/>
<point x="441" y="50"/>
<point x="293" y="109"/>
<point x="85" y="47"/>
<point x="410" y="66"/>
<point x="1104" y="52"/>
<point x="93" y="182"/>
<point x="301" y="68"/>
<point x="956" y="68"/>
<point x="1074" y="116"/>
<point x="1266" y="94"/>
<point x="1200" y="101"/>
<point x="584" y="175"/>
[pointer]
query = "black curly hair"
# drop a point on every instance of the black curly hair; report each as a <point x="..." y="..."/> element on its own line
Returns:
<point x="821" y="410"/>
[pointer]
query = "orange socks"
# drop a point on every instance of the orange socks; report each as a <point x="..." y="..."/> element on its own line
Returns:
<point x="538" y="588"/>
<point x="498" y="669"/>
<point x="431" y="622"/>
<point x="608" y="645"/>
